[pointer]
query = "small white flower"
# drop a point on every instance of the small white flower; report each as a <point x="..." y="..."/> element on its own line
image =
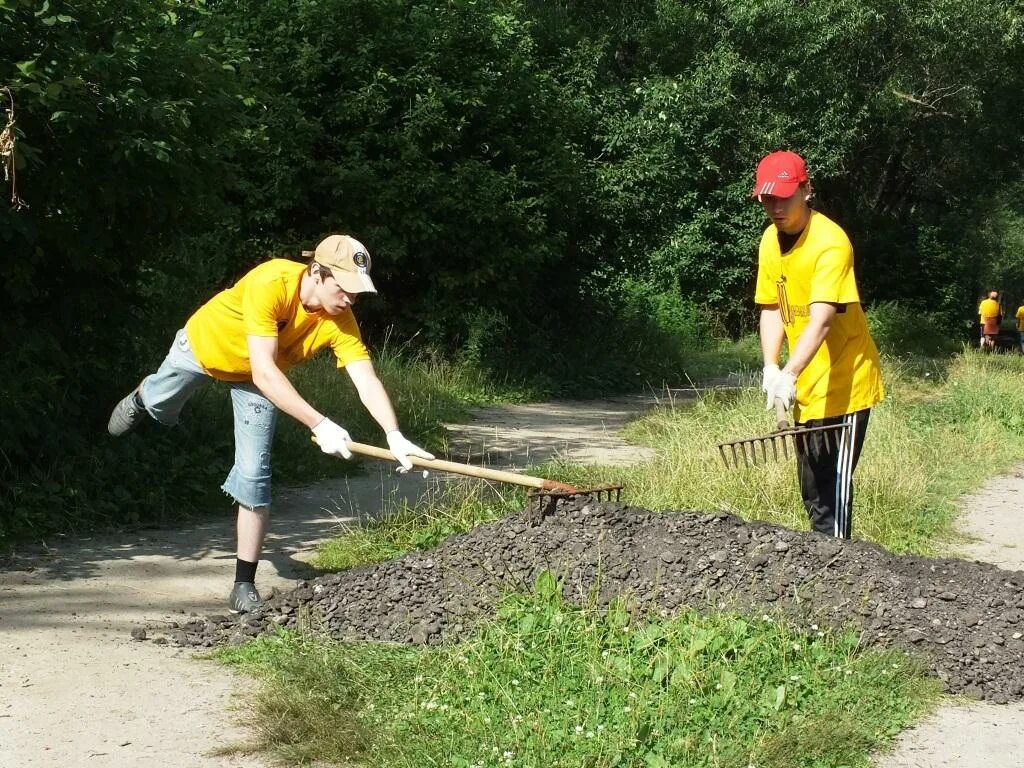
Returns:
<point x="579" y="729"/>
<point x="507" y="755"/>
<point x="590" y="734"/>
<point x="599" y="679"/>
<point x="604" y="654"/>
<point x="627" y="709"/>
<point x="814" y="626"/>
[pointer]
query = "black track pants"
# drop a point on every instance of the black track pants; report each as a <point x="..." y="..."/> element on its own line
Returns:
<point x="825" y="472"/>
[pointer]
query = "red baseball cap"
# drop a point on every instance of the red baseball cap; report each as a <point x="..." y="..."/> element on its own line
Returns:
<point x="779" y="174"/>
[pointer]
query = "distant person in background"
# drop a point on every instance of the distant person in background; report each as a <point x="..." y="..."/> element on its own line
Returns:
<point x="990" y="315"/>
<point x="1020" y="326"/>
<point x="281" y="313"/>
<point x="808" y="295"/>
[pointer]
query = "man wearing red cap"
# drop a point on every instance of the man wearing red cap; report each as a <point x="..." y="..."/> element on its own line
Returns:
<point x="279" y="314"/>
<point x="808" y="296"/>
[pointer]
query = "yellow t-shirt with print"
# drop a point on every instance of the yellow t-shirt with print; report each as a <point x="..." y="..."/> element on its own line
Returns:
<point x="1020" y="318"/>
<point x="844" y="375"/>
<point x="265" y="302"/>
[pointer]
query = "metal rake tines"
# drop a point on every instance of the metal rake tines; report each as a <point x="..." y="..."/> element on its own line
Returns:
<point x="544" y="502"/>
<point x="755" y="450"/>
<point x="608" y="492"/>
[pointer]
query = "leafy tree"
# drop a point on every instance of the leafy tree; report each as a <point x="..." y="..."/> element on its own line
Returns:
<point x="121" y="111"/>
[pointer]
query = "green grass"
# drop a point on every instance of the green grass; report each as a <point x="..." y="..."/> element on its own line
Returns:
<point x="550" y="684"/>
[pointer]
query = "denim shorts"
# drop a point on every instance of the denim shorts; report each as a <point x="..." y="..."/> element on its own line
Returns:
<point x="165" y="393"/>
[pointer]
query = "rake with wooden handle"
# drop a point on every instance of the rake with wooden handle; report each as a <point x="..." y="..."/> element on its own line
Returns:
<point x="546" y="493"/>
<point x="752" y="450"/>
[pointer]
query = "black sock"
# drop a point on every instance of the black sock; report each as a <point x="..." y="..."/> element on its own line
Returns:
<point x="245" y="571"/>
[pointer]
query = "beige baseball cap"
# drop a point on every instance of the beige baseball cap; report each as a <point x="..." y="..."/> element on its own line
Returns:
<point x="348" y="260"/>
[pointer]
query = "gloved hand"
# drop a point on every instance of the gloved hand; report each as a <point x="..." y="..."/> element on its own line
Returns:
<point x="403" y="449"/>
<point x="332" y="439"/>
<point x="782" y="387"/>
<point x="767" y="379"/>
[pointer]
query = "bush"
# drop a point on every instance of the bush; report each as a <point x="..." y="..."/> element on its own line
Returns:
<point x="904" y="328"/>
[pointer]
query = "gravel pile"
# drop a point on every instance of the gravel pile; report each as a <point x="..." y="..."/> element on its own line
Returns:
<point x="965" y="619"/>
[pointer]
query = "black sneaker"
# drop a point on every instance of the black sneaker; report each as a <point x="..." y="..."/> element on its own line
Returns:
<point x="127" y="414"/>
<point x="244" y="598"/>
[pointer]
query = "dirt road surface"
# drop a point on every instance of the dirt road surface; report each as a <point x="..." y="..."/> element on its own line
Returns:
<point x="76" y="689"/>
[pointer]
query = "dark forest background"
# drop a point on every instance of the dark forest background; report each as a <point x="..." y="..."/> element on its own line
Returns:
<point x="540" y="183"/>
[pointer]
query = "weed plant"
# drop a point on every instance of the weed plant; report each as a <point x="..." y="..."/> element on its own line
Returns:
<point x="546" y="683"/>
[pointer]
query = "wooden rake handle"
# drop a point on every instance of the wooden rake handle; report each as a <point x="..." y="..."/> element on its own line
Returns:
<point x="782" y="415"/>
<point x="469" y="470"/>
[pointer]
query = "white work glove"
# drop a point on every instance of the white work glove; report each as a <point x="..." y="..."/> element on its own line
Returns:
<point x="332" y="439"/>
<point x="768" y="377"/>
<point x="781" y="387"/>
<point x="403" y="449"/>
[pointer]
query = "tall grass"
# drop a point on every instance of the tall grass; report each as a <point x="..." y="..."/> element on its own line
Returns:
<point x="550" y="684"/>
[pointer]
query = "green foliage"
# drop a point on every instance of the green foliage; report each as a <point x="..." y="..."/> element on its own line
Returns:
<point x="556" y="194"/>
<point x="428" y="131"/>
<point x="121" y="111"/>
<point x="903" y="328"/>
<point x="549" y="683"/>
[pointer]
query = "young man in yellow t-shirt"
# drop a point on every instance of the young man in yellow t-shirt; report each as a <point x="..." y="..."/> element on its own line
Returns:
<point x="1020" y="326"/>
<point x="808" y="296"/>
<point x="279" y="314"/>
<point x="990" y="315"/>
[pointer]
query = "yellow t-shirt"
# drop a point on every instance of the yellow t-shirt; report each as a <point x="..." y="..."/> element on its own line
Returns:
<point x="265" y="302"/>
<point x="988" y="308"/>
<point x="844" y="375"/>
<point x="1020" y="318"/>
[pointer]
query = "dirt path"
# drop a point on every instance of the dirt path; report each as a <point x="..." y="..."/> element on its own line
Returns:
<point x="75" y="689"/>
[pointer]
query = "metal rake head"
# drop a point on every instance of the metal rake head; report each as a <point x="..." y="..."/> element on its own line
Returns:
<point x="544" y="501"/>
<point x="804" y="440"/>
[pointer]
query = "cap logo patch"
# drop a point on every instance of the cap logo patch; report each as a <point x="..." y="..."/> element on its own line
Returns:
<point x="783" y="175"/>
<point x="361" y="260"/>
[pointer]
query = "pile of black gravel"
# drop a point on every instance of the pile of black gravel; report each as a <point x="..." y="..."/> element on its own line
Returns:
<point x="966" y="619"/>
